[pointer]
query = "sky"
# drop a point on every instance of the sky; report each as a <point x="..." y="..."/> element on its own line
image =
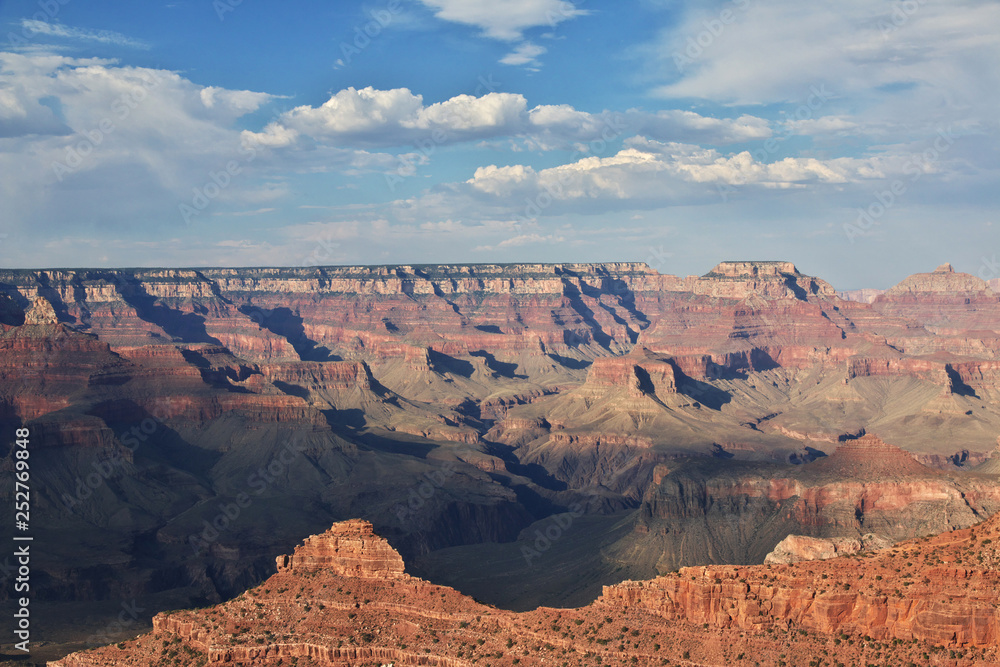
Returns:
<point x="856" y="138"/>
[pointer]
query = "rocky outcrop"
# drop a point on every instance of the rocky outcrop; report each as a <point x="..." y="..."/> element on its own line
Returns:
<point x="348" y="549"/>
<point x="868" y="457"/>
<point x="705" y="510"/>
<point x="899" y="604"/>
<point x="771" y="279"/>
<point x="945" y="301"/>
<point x="798" y="548"/>
<point x="545" y="384"/>
<point x="635" y="374"/>
<point x="865" y="295"/>
<point x="41" y="312"/>
<point x="942" y="591"/>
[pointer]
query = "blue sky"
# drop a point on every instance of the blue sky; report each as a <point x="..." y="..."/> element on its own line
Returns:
<point x="858" y="139"/>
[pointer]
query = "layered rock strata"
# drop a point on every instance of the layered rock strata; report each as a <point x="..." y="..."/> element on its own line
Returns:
<point x="930" y="600"/>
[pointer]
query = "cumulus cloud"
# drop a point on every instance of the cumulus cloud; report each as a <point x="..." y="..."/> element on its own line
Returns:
<point x="504" y="19"/>
<point x="649" y="173"/>
<point x="88" y="142"/>
<point x="370" y="117"/>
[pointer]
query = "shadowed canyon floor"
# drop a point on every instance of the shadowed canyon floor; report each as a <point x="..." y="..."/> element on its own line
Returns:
<point x="526" y="434"/>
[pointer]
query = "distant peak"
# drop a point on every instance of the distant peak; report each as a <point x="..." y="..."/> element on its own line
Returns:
<point x="944" y="268"/>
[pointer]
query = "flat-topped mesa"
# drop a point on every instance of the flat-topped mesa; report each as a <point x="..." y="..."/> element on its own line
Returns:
<point x="942" y="281"/>
<point x="640" y="372"/>
<point x="770" y="279"/>
<point x="944" y="302"/>
<point x="348" y="549"/>
<point x="491" y="270"/>
<point x="753" y="269"/>
<point x="870" y="456"/>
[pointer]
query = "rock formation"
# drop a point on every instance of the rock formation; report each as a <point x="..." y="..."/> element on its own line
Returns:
<point x="41" y="312"/>
<point x="940" y="590"/>
<point x="798" y="548"/>
<point x="932" y="600"/>
<point x="348" y="549"/>
<point x="692" y="420"/>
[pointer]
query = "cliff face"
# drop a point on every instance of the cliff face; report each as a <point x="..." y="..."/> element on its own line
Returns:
<point x="866" y="493"/>
<point x="943" y="301"/>
<point x="455" y="406"/>
<point x="941" y="590"/>
<point x="745" y="315"/>
<point x="340" y="605"/>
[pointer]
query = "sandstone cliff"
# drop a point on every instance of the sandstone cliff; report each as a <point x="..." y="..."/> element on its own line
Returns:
<point x="932" y="600"/>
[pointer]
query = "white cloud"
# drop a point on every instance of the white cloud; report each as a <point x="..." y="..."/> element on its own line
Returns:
<point x="520" y="240"/>
<point x="505" y="19"/>
<point x="239" y="101"/>
<point x="907" y="64"/>
<point x="90" y="143"/>
<point x="822" y="125"/>
<point x="678" y="125"/>
<point x="524" y="54"/>
<point x="649" y="173"/>
<point x="36" y="27"/>
<point x="372" y="117"/>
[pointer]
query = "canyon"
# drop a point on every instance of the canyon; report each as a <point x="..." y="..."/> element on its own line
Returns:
<point x="343" y="598"/>
<point x="526" y="434"/>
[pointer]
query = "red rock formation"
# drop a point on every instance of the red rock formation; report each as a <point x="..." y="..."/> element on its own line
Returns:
<point x="798" y="548"/>
<point x="348" y="549"/>
<point x="41" y="312"/>
<point x="944" y="301"/>
<point x="345" y="604"/>
<point x="942" y="590"/>
<point x="869" y="457"/>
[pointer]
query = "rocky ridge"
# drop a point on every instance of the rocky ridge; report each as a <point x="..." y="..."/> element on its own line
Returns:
<point x="464" y="407"/>
<point x="932" y="600"/>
